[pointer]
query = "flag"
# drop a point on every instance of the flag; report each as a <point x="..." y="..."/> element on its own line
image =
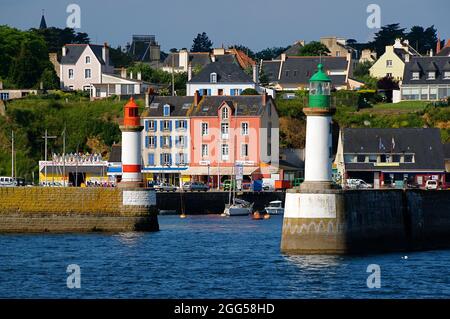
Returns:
<point x="380" y="145"/>
<point x="393" y="143"/>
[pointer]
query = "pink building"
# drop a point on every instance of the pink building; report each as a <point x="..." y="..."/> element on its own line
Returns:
<point x="230" y="130"/>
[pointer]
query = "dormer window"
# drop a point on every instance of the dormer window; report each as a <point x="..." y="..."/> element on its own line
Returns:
<point x="447" y="75"/>
<point x="88" y="59"/>
<point x="213" y="77"/>
<point x="166" y="110"/>
<point x="225" y="113"/>
<point x="431" y="75"/>
<point x="415" y="75"/>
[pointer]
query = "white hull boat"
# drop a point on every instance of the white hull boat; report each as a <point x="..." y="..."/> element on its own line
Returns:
<point x="275" y="208"/>
<point x="239" y="208"/>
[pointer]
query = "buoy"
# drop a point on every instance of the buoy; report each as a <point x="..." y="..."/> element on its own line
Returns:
<point x="183" y="215"/>
<point x="266" y="216"/>
<point x="256" y="215"/>
<point x="405" y="257"/>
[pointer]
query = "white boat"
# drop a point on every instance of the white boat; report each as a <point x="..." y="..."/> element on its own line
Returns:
<point x="275" y="208"/>
<point x="239" y="207"/>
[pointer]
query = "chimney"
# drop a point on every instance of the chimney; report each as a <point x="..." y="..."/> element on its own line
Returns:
<point x="398" y="44"/>
<point x="196" y="98"/>
<point x="131" y="75"/>
<point x="183" y="57"/>
<point x="64" y="50"/>
<point x="139" y="76"/>
<point x="123" y="73"/>
<point x="264" y="98"/>
<point x="407" y="57"/>
<point x="255" y="73"/>
<point x="105" y="53"/>
<point x="431" y="52"/>
<point x="189" y="72"/>
<point x="283" y="57"/>
<point x="213" y="58"/>
<point x="147" y="98"/>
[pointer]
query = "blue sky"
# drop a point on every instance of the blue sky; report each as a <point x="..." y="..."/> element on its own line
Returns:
<point x="257" y="24"/>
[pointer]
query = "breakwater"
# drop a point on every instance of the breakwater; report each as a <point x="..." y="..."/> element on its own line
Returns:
<point x="199" y="203"/>
<point x="46" y="209"/>
<point x="361" y="221"/>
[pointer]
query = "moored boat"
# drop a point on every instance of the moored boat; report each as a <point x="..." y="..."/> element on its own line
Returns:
<point x="275" y="208"/>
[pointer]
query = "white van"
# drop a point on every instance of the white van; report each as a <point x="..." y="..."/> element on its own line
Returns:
<point x="6" y="181"/>
<point x="357" y="183"/>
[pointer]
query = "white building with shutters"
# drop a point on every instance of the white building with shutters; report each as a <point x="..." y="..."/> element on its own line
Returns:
<point x="166" y="138"/>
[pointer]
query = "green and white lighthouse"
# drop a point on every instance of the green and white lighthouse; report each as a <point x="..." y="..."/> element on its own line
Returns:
<point x="318" y="146"/>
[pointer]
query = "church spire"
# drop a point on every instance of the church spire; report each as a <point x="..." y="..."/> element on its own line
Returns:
<point x="43" y="24"/>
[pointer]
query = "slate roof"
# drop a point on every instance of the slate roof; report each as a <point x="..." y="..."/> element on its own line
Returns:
<point x="293" y="49"/>
<point x="444" y="52"/>
<point x="195" y="58"/>
<point x="300" y="69"/>
<point x="74" y="51"/>
<point x="179" y="106"/>
<point x="245" y="105"/>
<point x="425" y="143"/>
<point x="446" y="147"/>
<point x="440" y="64"/>
<point x="228" y="71"/>
<point x="116" y="154"/>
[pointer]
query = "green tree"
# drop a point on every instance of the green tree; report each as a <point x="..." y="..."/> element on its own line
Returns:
<point x="423" y="40"/>
<point x="201" y="43"/>
<point x="49" y="79"/>
<point x="249" y="91"/>
<point x="362" y="69"/>
<point x="56" y="38"/>
<point x="27" y="67"/>
<point x="386" y="36"/>
<point x="313" y="48"/>
<point x="270" y="53"/>
<point x="119" y="58"/>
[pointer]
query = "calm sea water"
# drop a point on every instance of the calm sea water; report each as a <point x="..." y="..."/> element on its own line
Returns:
<point x="206" y="257"/>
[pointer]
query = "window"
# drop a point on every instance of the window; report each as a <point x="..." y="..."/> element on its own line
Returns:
<point x="224" y="130"/>
<point x="204" y="129"/>
<point x="348" y="158"/>
<point x="431" y="75"/>
<point x="224" y="152"/>
<point x="234" y="92"/>
<point x="87" y="73"/>
<point x="244" y="128"/>
<point x="213" y="77"/>
<point x="166" y="125"/>
<point x="361" y="158"/>
<point x="181" y="124"/>
<point x="409" y="158"/>
<point x="395" y="158"/>
<point x="166" y="159"/>
<point x="88" y="60"/>
<point x="150" y="141"/>
<point x="383" y="158"/>
<point x="225" y="113"/>
<point x="415" y="76"/>
<point x="150" y="125"/>
<point x="244" y="150"/>
<point x="71" y="74"/>
<point x="447" y="75"/>
<point x="389" y="63"/>
<point x="165" y="141"/>
<point x="4" y="96"/>
<point x="181" y="158"/>
<point x="204" y="150"/>
<point x="166" y="110"/>
<point x="180" y="141"/>
<point x="389" y="75"/>
<point x="373" y="158"/>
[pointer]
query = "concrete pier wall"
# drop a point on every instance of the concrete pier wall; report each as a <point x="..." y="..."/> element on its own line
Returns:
<point x="48" y="209"/>
<point x="371" y="221"/>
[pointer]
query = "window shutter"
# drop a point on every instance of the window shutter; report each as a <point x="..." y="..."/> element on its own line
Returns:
<point x="170" y="159"/>
<point x="154" y="125"/>
<point x="156" y="141"/>
<point x="177" y="158"/>
<point x="147" y="140"/>
<point x="170" y="125"/>
<point x="146" y="125"/>
<point x="161" y="125"/>
<point x="185" y="141"/>
<point x="151" y="159"/>
<point x="185" y="124"/>
<point x="177" y="124"/>
<point x="170" y="141"/>
<point x="161" y="159"/>
<point x="161" y="140"/>
<point x="209" y="91"/>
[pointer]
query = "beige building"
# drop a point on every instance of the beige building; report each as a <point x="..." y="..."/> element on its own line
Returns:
<point x="392" y="62"/>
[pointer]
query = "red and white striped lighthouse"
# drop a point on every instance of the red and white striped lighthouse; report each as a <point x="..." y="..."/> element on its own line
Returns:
<point x="131" y="147"/>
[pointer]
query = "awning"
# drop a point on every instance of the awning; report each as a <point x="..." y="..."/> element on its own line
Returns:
<point x="203" y="170"/>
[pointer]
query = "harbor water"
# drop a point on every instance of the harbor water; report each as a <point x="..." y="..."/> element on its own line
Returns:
<point x="207" y="257"/>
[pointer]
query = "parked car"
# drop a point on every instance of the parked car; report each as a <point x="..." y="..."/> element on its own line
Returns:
<point x="196" y="186"/>
<point x="268" y="187"/>
<point x="431" y="184"/>
<point x="358" y="184"/>
<point x="165" y="187"/>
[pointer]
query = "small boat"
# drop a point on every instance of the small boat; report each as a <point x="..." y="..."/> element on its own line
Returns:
<point x="275" y="208"/>
<point x="239" y="207"/>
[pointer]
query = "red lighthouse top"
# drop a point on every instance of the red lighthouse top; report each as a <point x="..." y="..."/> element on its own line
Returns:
<point x="131" y="114"/>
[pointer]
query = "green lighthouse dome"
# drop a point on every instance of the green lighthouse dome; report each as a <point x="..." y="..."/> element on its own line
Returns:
<point x="319" y="89"/>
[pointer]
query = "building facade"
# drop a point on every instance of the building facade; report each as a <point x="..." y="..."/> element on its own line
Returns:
<point x="390" y="157"/>
<point x="426" y="78"/>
